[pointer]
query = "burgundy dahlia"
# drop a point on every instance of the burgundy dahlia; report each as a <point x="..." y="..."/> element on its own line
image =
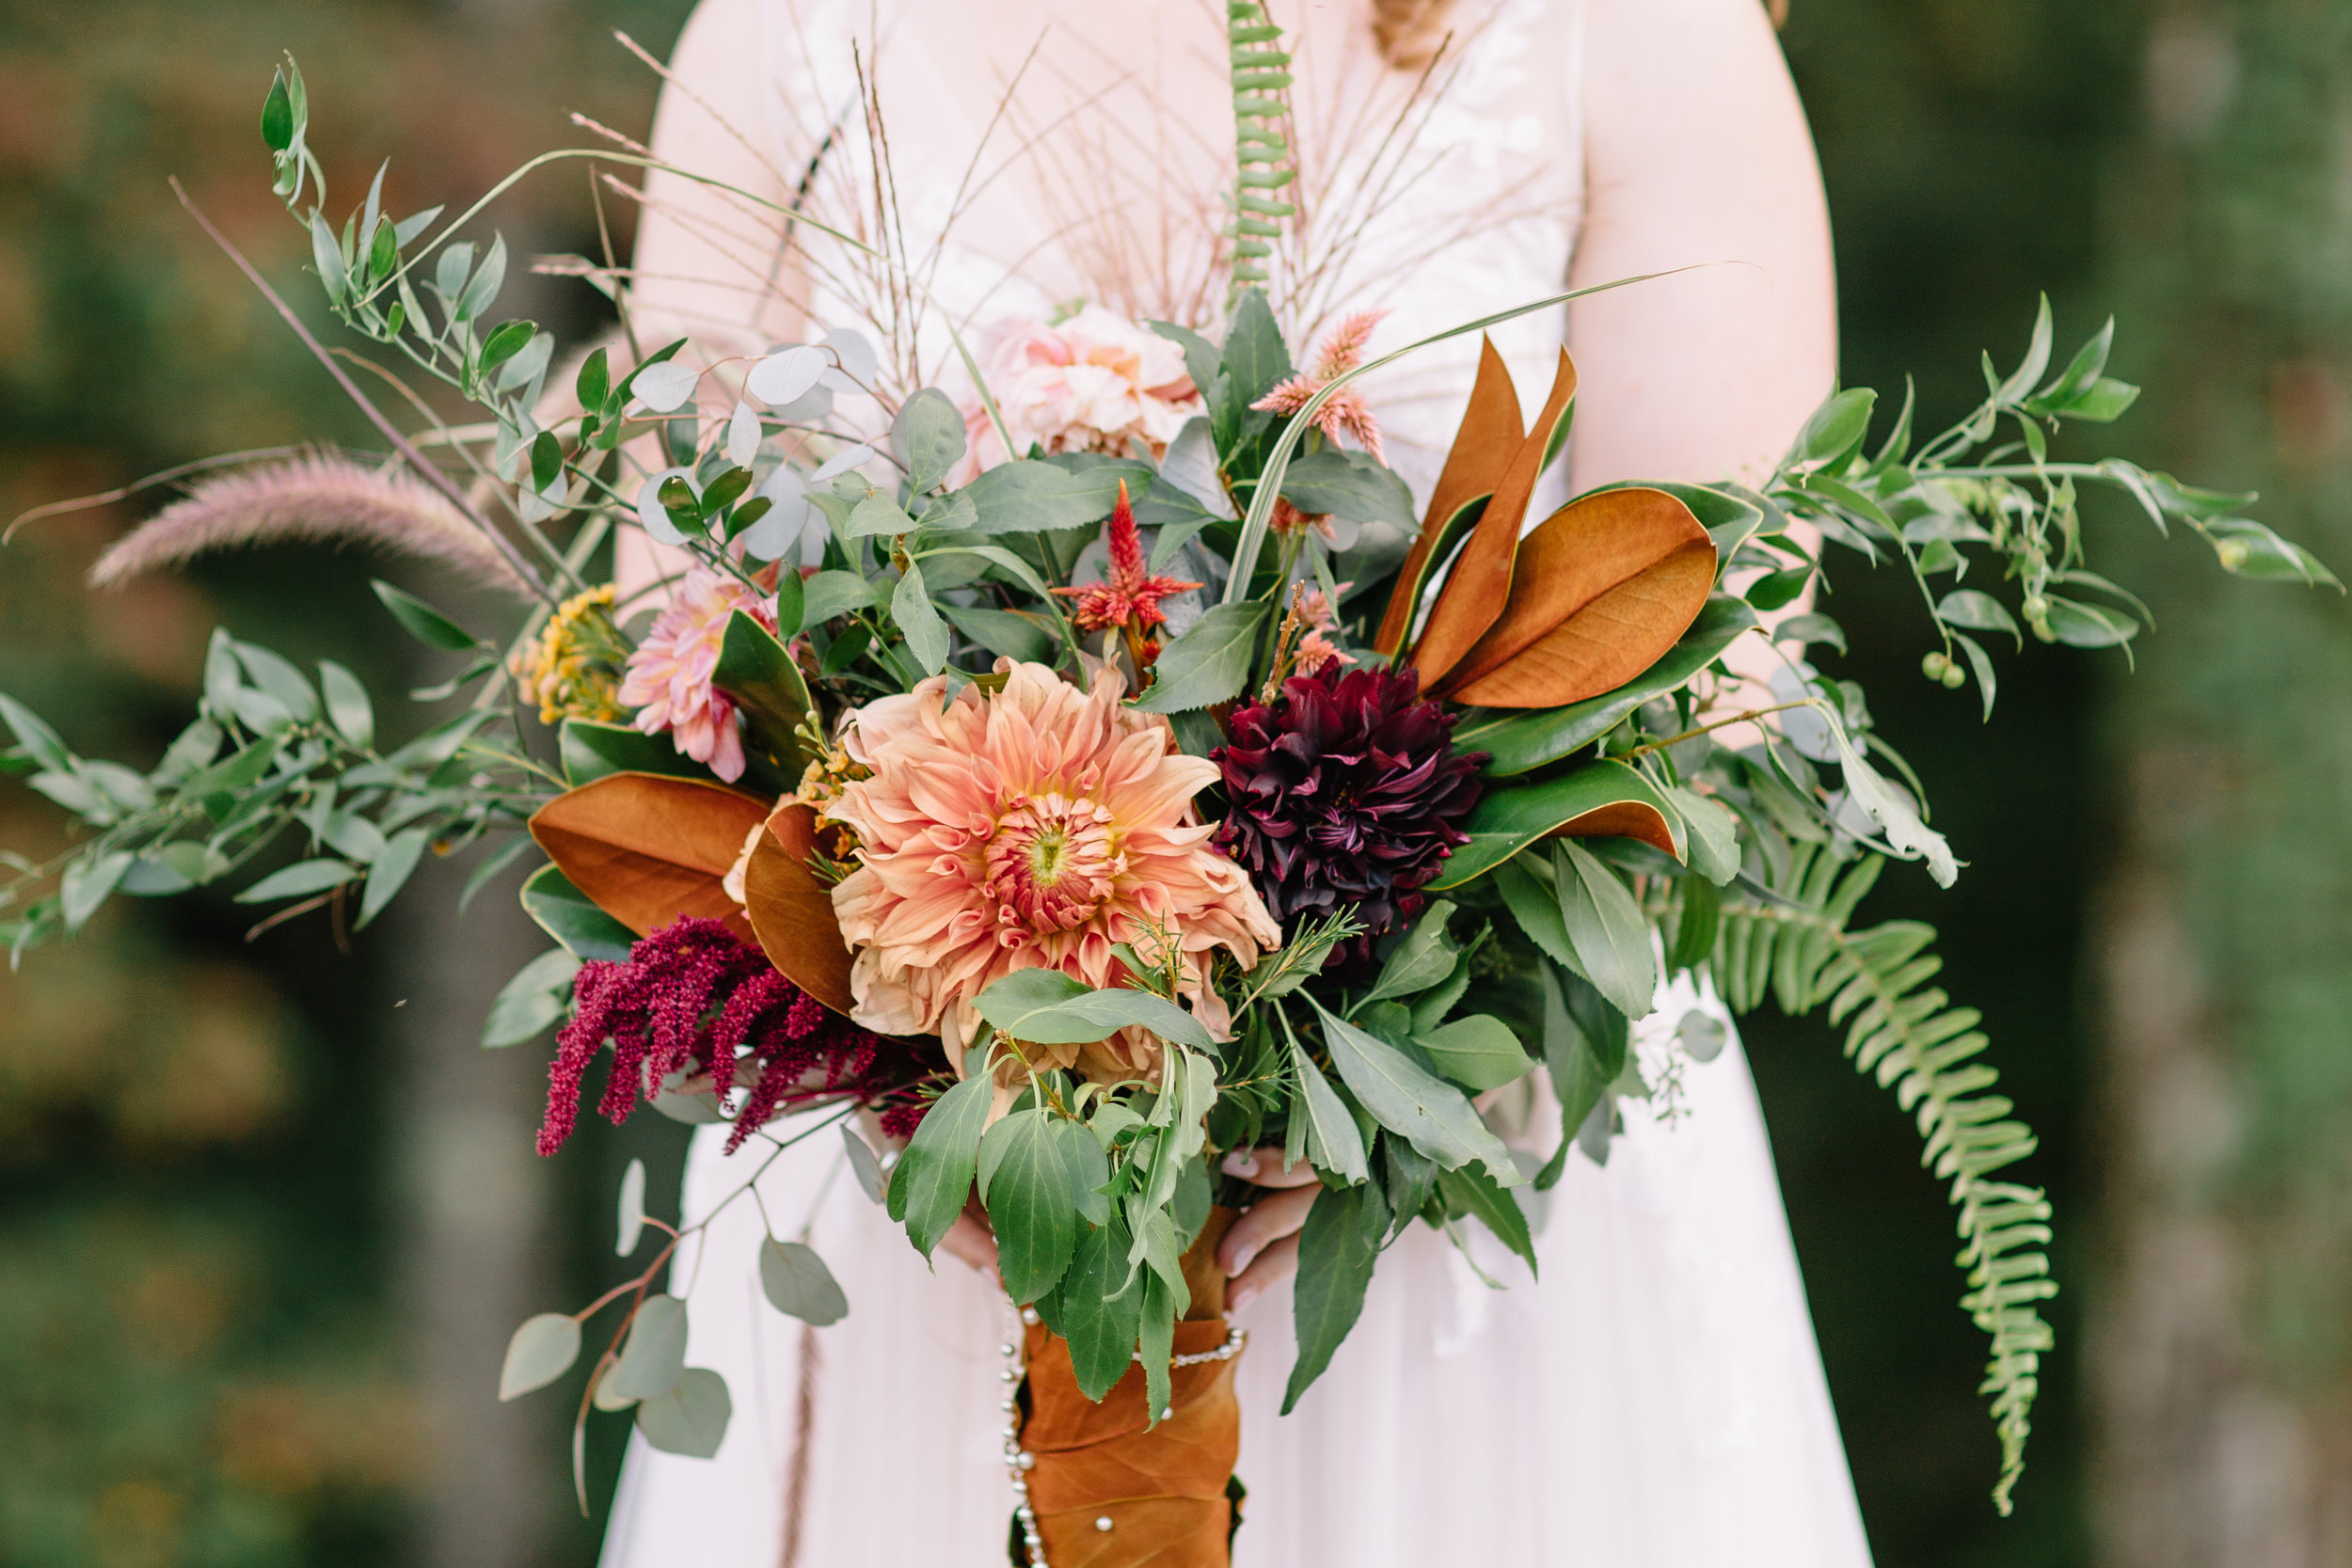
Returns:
<point x="1345" y="797"/>
<point x="693" y="994"/>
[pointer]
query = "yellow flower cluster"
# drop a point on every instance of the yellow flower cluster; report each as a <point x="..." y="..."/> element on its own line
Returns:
<point x="574" y="668"/>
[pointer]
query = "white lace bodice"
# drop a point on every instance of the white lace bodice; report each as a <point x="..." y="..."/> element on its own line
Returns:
<point x="1041" y="154"/>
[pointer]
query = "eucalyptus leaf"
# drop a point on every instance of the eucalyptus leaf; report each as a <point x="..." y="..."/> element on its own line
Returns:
<point x="689" y="1417"/>
<point x="928" y="437"/>
<point x="798" y="1284"/>
<point x="655" y="1355"/>
<point x="541" y="1351"/>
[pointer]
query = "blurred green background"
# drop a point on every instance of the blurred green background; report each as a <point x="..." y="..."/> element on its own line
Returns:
<point x="267" y="1215"/>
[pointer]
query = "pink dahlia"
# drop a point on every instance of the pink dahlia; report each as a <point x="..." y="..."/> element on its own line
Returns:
<point x="669" y="673"/>
<point x="1096" y="381"/>
<point x="1030" y="829"/>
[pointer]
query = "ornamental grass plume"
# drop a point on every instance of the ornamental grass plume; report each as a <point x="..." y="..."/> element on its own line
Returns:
<point x="1032" y="828"/>
<point x="669" y="673"/>
<point x="1345" y="796"/>
<point x="315" y="499"/>
<point x="657" y="1011"/>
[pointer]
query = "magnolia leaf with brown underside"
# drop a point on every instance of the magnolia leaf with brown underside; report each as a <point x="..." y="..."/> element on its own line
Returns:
<point x="646" y="850"/>
<point x="1601" y="590"/>
<point x="1482" y="448"/>
<point x="1601" y="800"/>
<point x="1479" y="585"/>
<point x="791" y="911"/>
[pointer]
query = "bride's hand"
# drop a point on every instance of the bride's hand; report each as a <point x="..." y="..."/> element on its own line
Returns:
<point x="971" y="1241"/>
<point x="1262" y="1248"/>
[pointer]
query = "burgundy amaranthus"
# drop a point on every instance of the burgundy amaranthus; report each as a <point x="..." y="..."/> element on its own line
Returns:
<point x="693" y="994"/>
<point x="1345" y="797"/>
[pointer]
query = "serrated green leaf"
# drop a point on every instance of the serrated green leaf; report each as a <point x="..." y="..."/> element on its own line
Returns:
<point x="1048" y="1007"/>
<point x="1335" y="1264"/>
<point x="1472" y="1192"/>
<point x="1605" y="930"/>
<point x="1210" y="663"/>
<point x="1430" y="1113"/>
<point x="1031" y="1197"/>
<point x="1479" y="1053"/>
<point x="933" y="1180"/>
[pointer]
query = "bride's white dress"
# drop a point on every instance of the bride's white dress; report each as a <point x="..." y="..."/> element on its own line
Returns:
<point x="1657" y="1400"/>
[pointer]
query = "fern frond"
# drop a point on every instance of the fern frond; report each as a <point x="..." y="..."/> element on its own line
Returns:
<point x="1263" y="164"/>
<point x="1908" y="1036"/>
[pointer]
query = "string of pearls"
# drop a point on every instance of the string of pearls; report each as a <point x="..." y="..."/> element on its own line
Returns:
<point x="1019" y="1461"/>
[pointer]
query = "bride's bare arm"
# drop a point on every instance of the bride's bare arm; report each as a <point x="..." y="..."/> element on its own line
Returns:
<point x="707" y="260"/>
<point x="1696" y="150"/>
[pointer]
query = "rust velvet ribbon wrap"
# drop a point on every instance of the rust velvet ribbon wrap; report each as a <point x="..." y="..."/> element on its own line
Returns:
<point x="1163" y="1488"/>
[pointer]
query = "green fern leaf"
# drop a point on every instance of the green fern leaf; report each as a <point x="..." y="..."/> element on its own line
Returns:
<point x="1907" y="1035"/>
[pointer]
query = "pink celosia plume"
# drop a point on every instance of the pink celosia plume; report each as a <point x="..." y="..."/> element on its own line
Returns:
<point x="1033" y="828"/>
<point x="1345" y="412"/>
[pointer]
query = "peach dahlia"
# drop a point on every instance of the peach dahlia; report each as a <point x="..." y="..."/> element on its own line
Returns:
<point x="1033" y="826"/>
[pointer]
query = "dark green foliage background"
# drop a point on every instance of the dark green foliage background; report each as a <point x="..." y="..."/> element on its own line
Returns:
<point x="1977" y="151"/>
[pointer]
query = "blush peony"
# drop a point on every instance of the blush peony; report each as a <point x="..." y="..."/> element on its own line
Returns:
<point x="1093" y="383"/>
<point x="669" y="676"/>
<point x="1030" y="828"/>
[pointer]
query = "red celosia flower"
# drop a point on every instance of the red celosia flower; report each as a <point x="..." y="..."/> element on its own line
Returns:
<point x="1131" y="599"/>
<point x="692" y="995"/>
<point x="1345" y="412"/>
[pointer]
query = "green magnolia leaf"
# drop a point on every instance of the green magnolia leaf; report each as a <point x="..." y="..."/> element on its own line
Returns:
<point x="347" y="705"/>
<point x="1098" y="1319"/>
<point x="298" y="880"/>
<point x="925" y="633"/>
<point x="541" y="1351"/>
<point x="1334" y="1143"/>
<point x="1472" y="1192"/>
<point x="571" y="918"/>
<point x="1048" y="1007"/>
<point x="1507" y="819"/>
<point x="1430" y="1113"/>
<point x="423" y="621"/>
<point x="758" y="672"/>
<point x="1350" y="484"/>
<point x="630" y="1212"/>
<point x="1517" y="741"/>
<point x="928" y="437"/>
<point x="933" y="1178"/>
<point x="1030" y="1193"/>
<point x="1606" y="929"/>
<point x="655" y="1356"/>
<point x="797" y="1283"/>
<point x="691" y="1418"/>
<point x="1335" y="1263"/>
<point x="1479" y="1053"/>
<point x="590" y="751"/>
<point x="533" y="1001"/>
<point x="1210" y="663"/>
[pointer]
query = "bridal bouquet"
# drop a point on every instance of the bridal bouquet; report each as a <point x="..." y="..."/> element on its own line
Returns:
<point x="1059" y="776"/>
